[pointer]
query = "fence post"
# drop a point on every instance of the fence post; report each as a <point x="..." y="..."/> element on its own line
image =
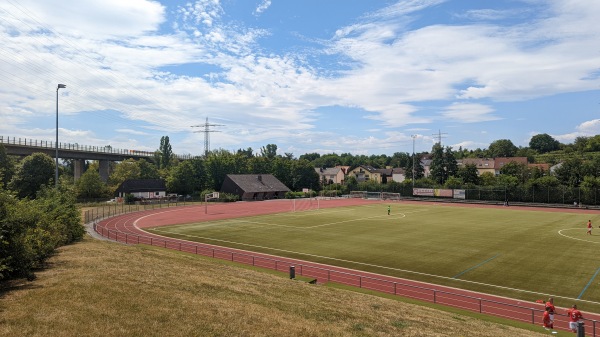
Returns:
<point x="434" y="296"/>
<point x="480" y="311"/>
<point x="532" y="316"/>
<point x="360" y="281"/>
<point x="395" y="284"/>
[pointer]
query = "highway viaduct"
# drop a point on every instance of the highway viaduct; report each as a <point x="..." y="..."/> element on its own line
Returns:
<point x="79" y="153"/>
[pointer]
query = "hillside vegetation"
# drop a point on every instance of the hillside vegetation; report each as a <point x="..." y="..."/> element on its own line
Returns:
<point x="98" y="288"/>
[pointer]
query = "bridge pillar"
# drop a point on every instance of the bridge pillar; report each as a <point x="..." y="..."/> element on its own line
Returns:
<point x="78" y="167"/>
<point x="104" y="167"/>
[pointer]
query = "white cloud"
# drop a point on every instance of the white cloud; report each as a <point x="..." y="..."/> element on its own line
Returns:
<point x="585" y="129"/>
<point x="113" y="57"/>
<point x="589" y="128"/>
<point x="263" y="6"/>
<point x="469" y="113"/>
<point x="110" y="19"/>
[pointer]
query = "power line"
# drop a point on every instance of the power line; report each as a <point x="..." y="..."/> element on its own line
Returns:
<point x="439" y="136"/>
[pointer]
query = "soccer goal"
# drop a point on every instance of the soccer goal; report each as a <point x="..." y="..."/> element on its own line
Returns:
<point x="373" y="195"/>
<point x="305" y="204"/>
<point x="358" y="194"/>
<point x="390" y="196"/>
<point x="207" y="198"/>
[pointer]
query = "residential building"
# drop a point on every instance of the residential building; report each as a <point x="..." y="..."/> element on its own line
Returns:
<point x="332" y="175"/>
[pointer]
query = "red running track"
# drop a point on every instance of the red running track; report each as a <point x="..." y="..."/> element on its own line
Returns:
<point x="128" y="228"/>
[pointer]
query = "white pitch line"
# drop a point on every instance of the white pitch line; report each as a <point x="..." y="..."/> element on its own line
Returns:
<point x="351" y="220"/>
<point x="573" y="238"/>
<point x="378" y="266"/>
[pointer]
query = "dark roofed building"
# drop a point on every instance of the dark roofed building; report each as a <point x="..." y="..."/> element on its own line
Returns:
<point x="143" y="188"/>
<point x="254" y="186"/>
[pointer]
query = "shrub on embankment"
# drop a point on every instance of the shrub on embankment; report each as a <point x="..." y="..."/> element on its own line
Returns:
<point x="31" y="230"/>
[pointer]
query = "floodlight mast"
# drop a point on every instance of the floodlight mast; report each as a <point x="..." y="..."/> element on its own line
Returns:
<point x="60" y="86"/>
<point x="413" y="161"/>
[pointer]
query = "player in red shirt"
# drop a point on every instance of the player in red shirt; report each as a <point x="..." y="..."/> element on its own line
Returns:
<point x="548" y="323"/>
<point x="589" y="227"/>
<point x="550" y="304"/>
<point x="574" y="317"/>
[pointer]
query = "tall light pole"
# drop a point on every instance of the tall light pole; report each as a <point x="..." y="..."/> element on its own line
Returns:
<point x="60" y="86"/>
<point x="413" y="162"/>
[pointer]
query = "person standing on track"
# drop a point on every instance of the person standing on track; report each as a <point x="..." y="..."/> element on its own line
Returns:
<point x="589" y="225"/>
<point x="548" y="322"/>
<point x="574" y="317"/>
<point x="550" y="305"/>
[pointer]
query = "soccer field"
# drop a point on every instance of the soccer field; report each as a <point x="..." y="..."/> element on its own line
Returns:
<point x="510" y="251"/>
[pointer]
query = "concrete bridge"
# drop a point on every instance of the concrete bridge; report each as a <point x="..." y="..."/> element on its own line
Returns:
<point x="79" y="153"/>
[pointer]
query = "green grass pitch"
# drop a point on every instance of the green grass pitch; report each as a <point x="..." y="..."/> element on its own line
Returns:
<point x="511" y="252"/>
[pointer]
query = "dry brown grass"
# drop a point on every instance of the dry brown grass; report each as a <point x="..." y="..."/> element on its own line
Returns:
<point x="96" y="288"/>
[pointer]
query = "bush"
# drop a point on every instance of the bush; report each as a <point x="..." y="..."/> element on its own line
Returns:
<point x="31" y="230"/>
<point x="228" y="197"/>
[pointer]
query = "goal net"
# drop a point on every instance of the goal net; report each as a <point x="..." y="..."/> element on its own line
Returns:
<point x="373" y="195"/>
<point x="305" y="204"/>
<point x="390" y="196"/>
<point x="358" y="194"/>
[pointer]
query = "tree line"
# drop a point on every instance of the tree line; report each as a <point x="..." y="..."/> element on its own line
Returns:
<point x="579" y="167"/>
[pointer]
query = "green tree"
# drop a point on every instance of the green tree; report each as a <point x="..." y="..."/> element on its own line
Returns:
<point x="32" y="173"/>
<point x="570" y="172"/>
<point x="269" y="151"/>
<point x="311" y="157"/>
<point x="487" y="179"/>
<point x="543" y="143"/>
<point x="31" y="230"/>
<point x="517" y="170"/>
<point x="417" y="167"/>
<point x="248" y="153"/>
<point x="304" y="175"/>
<point x="502" y="148"/>
<point x="443" y="164"/>
<point x="453" y="182"/>
<point x="219" y="164"/>
<point x="545" y="181"/>
<point x="437" y="169"/>
<point x="148" y="170"/>
<point x="125" y="170"/>
<point x="90" y="185"/>
<point x="259" y="165"/>
<point x="165" y="153"/>
<point x="7" y="167"/>
<point x="183" y="179"/>
<point x="468" y="174"/>
<point x="450" y="164"/>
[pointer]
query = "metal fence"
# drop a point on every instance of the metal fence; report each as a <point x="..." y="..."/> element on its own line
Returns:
<point x="521" y="313"/>
<point x="559" y="195"/>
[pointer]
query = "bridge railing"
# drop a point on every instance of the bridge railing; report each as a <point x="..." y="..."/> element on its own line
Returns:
<point x="83" y="148"/>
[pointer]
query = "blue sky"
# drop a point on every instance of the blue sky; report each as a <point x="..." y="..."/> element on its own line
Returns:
<point x="353" y="76"/>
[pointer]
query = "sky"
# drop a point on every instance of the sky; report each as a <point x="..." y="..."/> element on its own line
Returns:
<point x="335" y="76"/>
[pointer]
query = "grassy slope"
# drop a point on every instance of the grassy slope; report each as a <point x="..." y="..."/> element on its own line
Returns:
<point x="96" y="288"/>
